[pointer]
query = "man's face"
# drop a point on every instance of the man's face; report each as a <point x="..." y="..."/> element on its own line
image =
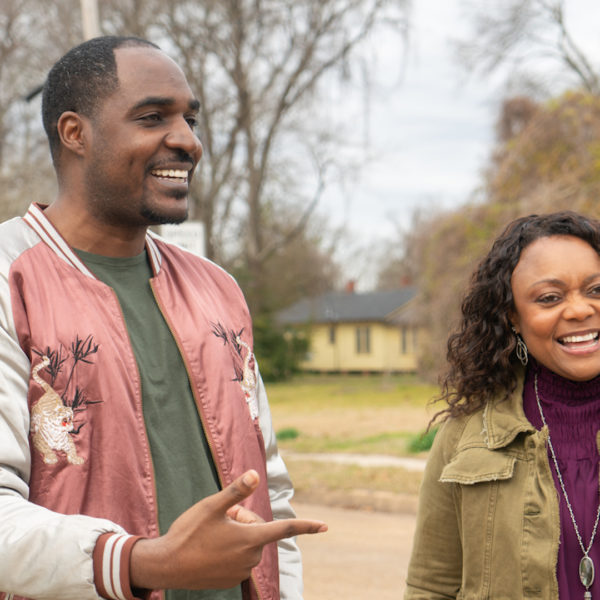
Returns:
<point x="143" y="148"/>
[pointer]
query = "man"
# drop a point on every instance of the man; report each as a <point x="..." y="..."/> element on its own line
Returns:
<point x="128" y="388"/>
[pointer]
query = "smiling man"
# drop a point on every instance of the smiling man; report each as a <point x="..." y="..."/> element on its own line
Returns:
<point x="137" y="452"/>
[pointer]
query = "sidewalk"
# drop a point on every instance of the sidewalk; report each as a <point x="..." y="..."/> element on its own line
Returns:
<point x="362" y="460"/>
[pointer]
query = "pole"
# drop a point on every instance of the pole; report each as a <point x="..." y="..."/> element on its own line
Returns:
<point x="89" y="19"/>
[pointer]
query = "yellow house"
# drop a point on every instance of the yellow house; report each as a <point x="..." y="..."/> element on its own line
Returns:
<point x="349" y="331"/>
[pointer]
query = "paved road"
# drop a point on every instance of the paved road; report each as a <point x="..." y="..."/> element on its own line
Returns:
<point x="363" y="556"/>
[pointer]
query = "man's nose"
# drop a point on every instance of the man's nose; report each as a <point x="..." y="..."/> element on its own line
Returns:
<point x="183" y="137"/>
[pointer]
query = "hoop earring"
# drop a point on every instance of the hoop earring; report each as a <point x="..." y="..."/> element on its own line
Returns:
<point x="521" y="349"/>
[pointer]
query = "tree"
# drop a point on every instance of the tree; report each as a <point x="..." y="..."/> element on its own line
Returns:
<point x="399" y="259"/>
<point x="533" y="40"/>
<point x="257" y="67"/>
<point x="546" y="156"/>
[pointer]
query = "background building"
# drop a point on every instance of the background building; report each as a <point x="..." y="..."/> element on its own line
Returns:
<point x="348" y="331"/>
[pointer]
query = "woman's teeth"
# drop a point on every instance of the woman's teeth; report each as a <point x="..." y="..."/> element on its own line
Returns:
<point x="574" y="339"/>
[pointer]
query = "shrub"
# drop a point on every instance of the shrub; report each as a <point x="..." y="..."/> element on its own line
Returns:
<point x="422" y="441"/>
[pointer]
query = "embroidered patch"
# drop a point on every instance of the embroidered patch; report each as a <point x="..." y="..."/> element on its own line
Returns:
<point x="243" y="360"/>
<point x="52" y="416"/>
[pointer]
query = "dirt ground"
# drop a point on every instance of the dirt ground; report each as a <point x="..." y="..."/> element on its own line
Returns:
<point x="364" y="555"/>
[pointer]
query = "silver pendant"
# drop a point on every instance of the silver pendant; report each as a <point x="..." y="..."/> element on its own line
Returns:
<point x="586" y="574"/>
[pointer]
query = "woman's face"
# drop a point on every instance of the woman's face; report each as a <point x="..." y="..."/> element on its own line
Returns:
<point x="556" y="290"/>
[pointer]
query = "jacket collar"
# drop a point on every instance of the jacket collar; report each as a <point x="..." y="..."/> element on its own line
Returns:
<point x="503" y="420"/>
<point x="37" y="220"/>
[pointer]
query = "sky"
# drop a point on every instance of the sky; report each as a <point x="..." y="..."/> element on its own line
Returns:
<point x="431" y="124"/>
<point x="430" y="130"/>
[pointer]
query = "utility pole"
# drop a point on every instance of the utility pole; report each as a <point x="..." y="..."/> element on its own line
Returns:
<point x="89" y="19"/>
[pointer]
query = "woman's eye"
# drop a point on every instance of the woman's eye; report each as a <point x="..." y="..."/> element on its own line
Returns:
<point x="548" y="299"/>
<point x="595" y="291"/>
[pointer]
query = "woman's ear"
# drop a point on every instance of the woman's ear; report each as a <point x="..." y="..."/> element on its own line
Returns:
<point x="71" y="129"/>
<point x="512" y="317"/>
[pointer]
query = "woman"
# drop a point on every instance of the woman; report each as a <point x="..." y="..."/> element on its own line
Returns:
<point x="509" y="506"/>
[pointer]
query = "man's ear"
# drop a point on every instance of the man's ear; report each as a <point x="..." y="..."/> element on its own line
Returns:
<point x="72" y="131"/>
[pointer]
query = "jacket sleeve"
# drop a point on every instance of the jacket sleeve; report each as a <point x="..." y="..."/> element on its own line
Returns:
<point x="280" y="493"/>
<point x="44" y="554"/>
<point x="435" y="568"/>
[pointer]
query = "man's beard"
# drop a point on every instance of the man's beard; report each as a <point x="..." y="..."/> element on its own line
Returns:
<point x="156" y="218"/>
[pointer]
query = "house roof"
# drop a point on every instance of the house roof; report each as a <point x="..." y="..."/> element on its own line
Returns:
<point x="335" y="307"/>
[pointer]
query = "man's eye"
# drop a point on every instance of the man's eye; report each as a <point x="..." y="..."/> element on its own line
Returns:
<point x="192" y="122"/>
<point x="152" y="117"/>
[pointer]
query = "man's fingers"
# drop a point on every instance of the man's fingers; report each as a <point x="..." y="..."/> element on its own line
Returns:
<point x="236" y="491"/>
<point x="278" y="530"/>
<point x="243" y="515"/>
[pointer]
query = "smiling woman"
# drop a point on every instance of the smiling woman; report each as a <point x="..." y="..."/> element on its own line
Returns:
<point x="556" y="292"/>
<point x="509" y="506"/>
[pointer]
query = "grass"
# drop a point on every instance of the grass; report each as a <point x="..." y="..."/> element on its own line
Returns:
<point x="364" y="414"/>
<point x="351" y="391"/>
<point x="353" y="413"/>
<point x="313" y="479"/>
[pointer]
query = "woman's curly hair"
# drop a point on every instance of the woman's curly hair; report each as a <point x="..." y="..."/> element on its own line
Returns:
<point x="482" y="363"/>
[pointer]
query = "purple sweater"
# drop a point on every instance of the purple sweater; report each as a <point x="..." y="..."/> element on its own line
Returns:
<point x="572" y="411"/>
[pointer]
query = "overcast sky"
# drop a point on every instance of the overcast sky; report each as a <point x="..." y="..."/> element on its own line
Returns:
<point x="431" y="126"/>
<point x="429" y="132"/>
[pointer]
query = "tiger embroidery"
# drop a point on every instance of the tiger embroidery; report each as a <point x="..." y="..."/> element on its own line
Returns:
<point x="51" y="422"/>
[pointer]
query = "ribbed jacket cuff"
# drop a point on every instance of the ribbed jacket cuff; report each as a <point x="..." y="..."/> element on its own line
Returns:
<point x="111" y="567"/>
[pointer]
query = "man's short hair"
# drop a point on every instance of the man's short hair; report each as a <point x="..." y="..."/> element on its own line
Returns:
<point x="81" y="80"/>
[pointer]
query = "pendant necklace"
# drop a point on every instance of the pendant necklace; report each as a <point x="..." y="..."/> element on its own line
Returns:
<point x="586" y="565"/>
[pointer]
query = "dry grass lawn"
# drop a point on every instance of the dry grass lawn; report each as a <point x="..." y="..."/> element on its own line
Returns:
<point x="351" y="414"/>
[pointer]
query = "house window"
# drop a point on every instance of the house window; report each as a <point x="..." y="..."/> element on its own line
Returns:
<point x="408" y="339"/>
<point x="332" y="334"/>
<point x="363" y="339"/>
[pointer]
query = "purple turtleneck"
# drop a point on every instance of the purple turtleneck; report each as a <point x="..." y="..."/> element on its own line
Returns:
<point x="572" y="412"/>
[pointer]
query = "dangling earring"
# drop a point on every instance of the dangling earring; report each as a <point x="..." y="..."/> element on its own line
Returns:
<point x="521" y="349"/>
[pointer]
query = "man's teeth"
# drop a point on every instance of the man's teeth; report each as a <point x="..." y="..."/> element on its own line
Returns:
<point x="174" y="173"/>
<point x="573" y="339"/>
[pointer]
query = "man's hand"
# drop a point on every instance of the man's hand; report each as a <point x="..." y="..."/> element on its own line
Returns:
<point x="213" y="545"/>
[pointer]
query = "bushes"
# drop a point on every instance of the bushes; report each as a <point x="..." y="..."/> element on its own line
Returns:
<point x="277" y="350"/>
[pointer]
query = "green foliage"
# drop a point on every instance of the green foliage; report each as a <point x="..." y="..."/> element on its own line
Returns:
<point x="422" y="442"/>
<point x="288" y="433"/>
<point x="277" y="350"/>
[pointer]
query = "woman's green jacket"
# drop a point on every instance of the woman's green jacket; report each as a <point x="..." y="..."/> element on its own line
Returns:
<point x="488" y="520"/>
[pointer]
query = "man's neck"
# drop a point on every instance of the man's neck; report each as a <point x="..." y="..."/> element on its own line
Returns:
<point x="82" y="231"/>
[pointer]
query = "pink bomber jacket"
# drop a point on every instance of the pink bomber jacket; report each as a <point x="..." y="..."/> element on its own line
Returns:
<point x="76" y="477"/>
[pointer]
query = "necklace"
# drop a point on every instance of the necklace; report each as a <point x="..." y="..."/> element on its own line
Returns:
<point x="586" y="565"/>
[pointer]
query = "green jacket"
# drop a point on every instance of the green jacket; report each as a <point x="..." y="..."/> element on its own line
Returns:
<point x="488" y="519"/>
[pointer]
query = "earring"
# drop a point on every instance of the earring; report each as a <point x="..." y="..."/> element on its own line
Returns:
<point x="521" y="349"/>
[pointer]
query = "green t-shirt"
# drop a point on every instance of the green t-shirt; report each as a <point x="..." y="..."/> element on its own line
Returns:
<point x="183" y="467"/>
